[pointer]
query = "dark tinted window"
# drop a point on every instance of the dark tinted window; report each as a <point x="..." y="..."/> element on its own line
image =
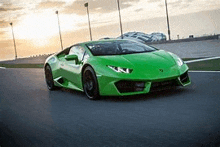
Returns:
<point x="118" y="48"/>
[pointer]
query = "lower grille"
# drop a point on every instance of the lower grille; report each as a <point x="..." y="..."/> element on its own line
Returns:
<point x="129" y="86"/>
<point x="155" y="86"/>
<point x="184" y="77"/>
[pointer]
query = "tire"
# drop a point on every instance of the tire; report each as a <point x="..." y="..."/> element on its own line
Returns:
<point x="90" y="84"/>
<point x="49" y="78"/>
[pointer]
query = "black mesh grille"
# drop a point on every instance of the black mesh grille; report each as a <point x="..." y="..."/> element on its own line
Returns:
<point x="61" y="81"/>
<point x="163" y="85"/>
<point x="129" y="86"/>
<point x="184" y="77"/>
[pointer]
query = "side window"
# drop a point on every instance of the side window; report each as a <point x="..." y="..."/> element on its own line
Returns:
<point x="63" y="53"/>
<point x="77" y="50"/>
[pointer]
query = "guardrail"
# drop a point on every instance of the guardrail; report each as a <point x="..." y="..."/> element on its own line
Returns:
<point x="188" y="39"/>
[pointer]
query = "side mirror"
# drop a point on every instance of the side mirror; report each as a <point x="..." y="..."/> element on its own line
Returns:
<point x="71" y="57"/>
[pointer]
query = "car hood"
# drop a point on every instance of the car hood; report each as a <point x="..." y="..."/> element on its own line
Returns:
<point x="149" y="59"/>
<point x="143" y="64"/>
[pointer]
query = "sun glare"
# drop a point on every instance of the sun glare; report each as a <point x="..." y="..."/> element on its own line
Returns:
<point x="36" y="27"/>
<point x="40" y="28"/>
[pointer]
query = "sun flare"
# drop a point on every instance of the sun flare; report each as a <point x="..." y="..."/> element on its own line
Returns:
<point x="41" y="27"/>
<point x="36" y="26"/>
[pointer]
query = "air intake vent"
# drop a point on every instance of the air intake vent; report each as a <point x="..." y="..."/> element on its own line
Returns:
<point x="155" y="86"/>
<point x="130" y="86"/>
<point x="184" y="77"/>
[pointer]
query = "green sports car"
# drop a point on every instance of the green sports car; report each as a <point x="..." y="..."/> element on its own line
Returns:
<point x="114" y="68"/>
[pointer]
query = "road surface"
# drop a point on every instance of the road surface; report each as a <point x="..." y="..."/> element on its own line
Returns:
<point x="30" y="115"/>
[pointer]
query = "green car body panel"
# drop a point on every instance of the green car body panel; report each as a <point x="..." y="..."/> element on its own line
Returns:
<point x="146" y="68"/>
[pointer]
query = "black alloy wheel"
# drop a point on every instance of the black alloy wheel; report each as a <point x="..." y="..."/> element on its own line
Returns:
<point x="90" y="83"/>
<point x="49" y="78"/>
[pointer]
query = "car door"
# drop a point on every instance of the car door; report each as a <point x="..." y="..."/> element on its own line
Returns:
<point x="72" y="68"/>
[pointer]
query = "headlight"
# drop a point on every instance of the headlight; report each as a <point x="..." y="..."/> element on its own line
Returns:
<point x="120" y="69"/>
<point x="178" y="60"/>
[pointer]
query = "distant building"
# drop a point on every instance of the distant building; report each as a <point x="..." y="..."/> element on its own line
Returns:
<point x="144" y="38"/>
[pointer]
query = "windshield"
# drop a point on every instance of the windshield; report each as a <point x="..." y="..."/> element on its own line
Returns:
<point x="118" y="48"/>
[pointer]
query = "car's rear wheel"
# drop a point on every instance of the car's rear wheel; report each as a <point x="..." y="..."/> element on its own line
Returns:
<point x="49" y="78"/>
<point x="90" y="83"/>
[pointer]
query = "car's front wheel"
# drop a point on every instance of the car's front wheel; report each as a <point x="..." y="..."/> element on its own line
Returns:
<point x="49" y="78"/>
<point x="90" y="83"/>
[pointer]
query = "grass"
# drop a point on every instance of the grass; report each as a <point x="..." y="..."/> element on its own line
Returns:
<point x="188" y="59"/>
<point x="208" y="65"/>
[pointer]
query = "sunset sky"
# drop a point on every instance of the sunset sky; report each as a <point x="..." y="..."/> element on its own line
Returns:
<point x="36" y="27"/>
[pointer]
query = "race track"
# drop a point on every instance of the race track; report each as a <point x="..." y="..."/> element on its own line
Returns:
<point x="30" y="115"/>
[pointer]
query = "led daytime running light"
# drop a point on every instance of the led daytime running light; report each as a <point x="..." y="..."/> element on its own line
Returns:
<point x="120" y="69"/>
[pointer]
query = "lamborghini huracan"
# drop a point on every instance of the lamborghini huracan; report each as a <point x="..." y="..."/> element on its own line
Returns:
<point x="114" y="68"/>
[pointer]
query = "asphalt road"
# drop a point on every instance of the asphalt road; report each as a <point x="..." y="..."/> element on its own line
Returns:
<point x="30" y="115"/>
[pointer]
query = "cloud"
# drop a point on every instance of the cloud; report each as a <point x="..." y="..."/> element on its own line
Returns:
<point x="50" y="4"/>
<point x="97" y="6"/>
<point x="2" y="32"/>
<point x="3" y="9"/>
<point x="3" y="29"/>
<point x="9" y="7"/>
<point x="181" y="3"/>
<point x="138" y="10"/>
<point x="153" y="1"/>
<point x="2" y="23"/>
<point x="176" y="3"/>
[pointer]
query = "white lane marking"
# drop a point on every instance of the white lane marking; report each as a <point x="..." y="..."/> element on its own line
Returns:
<point x="204" y="59"/>
<point x="2" y="68"/>
<point x="202" y="71"/>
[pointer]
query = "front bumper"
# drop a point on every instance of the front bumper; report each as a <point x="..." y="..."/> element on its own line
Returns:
<point x="112" y="86"/>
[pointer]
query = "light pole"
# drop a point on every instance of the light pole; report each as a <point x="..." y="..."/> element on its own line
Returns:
<point x="168" y="25"/>
<point x="13" y="39"/>
<point x="59" y="30"/>
<point x="87" y="6"/>
<point x="120" y="19"/>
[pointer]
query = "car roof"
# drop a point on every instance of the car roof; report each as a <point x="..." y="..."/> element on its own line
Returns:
<point x="102" y="41"/>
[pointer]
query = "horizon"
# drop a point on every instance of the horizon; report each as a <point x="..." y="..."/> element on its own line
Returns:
<point x="36" y="31"/>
